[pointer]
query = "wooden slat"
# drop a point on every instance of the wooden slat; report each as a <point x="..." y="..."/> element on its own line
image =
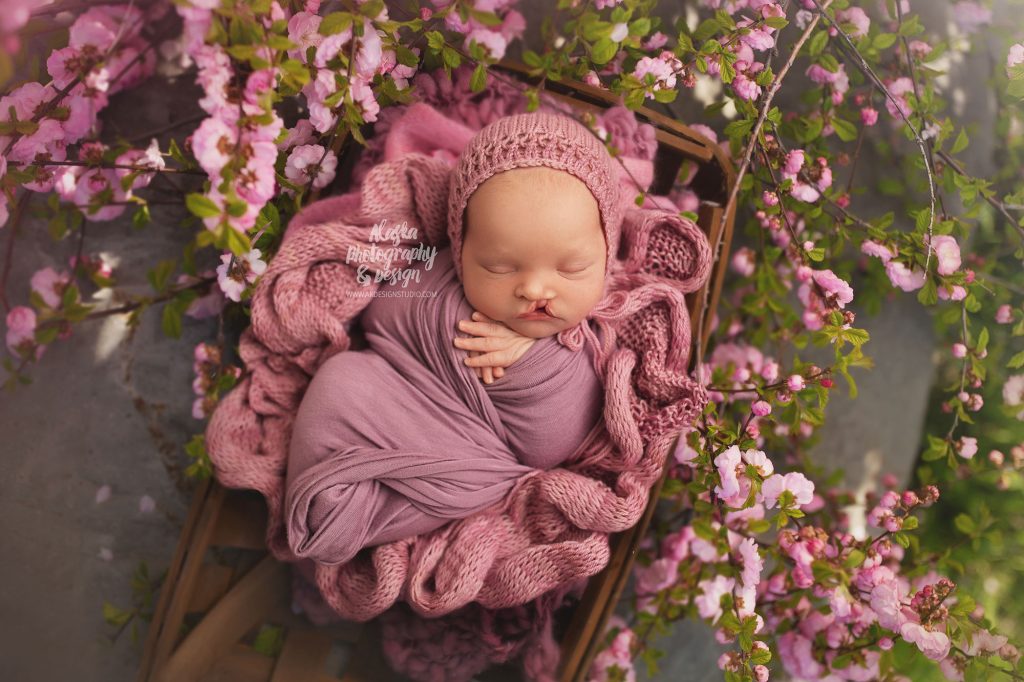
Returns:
<point x="242" y="522"/>
<point x="178" y="588"/>
<point x="246" y="605"/>
<point x="303" y="656"/>
<point x="213" y="581"/>
<point x="240" y="664"/>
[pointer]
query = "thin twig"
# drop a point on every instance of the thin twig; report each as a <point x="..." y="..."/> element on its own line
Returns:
<point x="869" y="72"/>
<point x="12" y="229"/>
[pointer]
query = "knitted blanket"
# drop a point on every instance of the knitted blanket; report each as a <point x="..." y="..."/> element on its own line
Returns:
<point x="551" y="528"/>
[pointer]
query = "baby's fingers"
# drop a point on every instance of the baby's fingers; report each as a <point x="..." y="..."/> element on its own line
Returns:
<point x="481" y="343"/>
<point x="495" y="359"/>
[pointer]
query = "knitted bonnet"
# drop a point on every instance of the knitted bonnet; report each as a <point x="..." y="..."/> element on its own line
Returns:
<point x="529" y="140"/>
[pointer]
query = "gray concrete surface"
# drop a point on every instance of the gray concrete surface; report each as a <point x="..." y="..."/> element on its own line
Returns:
<point x="112" y="408"/>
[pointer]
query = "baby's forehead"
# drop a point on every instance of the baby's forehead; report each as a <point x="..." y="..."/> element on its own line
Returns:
<point x="536" y="176"/>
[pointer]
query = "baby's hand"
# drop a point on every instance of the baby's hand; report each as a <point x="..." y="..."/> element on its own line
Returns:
<point x="495" y="347"/>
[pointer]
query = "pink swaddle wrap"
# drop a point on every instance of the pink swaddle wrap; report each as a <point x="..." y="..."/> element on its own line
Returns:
<point x="398" y="439"/>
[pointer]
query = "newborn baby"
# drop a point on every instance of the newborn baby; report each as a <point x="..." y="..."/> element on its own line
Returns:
<point x="426" y="426"/>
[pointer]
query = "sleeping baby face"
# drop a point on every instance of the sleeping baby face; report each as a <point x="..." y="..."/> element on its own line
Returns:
<point x="533" y="252"/>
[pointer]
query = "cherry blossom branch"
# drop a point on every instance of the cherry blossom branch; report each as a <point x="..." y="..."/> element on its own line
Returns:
<point x="12" y="229"/>
<point x="129" y="307"/>
<point x="995" y="203"/>
<point x="862" y="65"/>
<point x="124" y="166"/>
<point x="730" y="204"/>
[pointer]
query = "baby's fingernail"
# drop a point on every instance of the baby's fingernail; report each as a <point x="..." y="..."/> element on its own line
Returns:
<point x="462" y="324"/>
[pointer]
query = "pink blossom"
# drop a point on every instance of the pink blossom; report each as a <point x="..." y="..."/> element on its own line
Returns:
<point x="1004" y="315"/>
<point x="102" y="494"/>
<point x="676" y="545"/>
<point x="659" y="70"/>
<point x="100" y="27"/>
<point x="898" y="88"/>
<point x="362" y="94"/>
<point x="684" y="454"/>
<point x="985" y="641"/>
<point x="708" y="602"/>
<point x="146" y="504"/>
<point x="760" y="461"/>
<point x="836" y="290"/>
<point x="21" y="326"/>
<point x="660" y="575"/>
<point x="304" y="31"/>
<point x="795" y="482"/>
<point x="967" y="447"/>
<point x="857" y="17"/>
<point x="796" y="383"/>
<point x="329" y="48"/>
<point x="873" y="248"/>
<point x="50" y="285"/>
<point x="301" y="134"/>
<point x="820" y="75"/>
<point x="234" y="274"/>
<point x="212" y="144"/>
<point x="947" y="251"/>
<point x="1013" y="391"/>
<point x="655" y="41"/>
<point x="970" y="15"/>
<point x="752" y="562"/>
<point x="368" y="52"/>
<point x="804" y="192"/>
<point x="756" y="38"/>
<point x="869" y="116"/>
<point x="746" y="88"/>
<point x="959" y="350"/>
<point x="761" y="408"/>
<point x="618" y="654"/>
<point x="150" y="157"/>
<point x="794" y="162"/>
<point x="1015" y="56"/>
<point x="919" y="48"/>
<point x="305" y="161"/>
<point x="743" y="261"/>
<point x="619" y="32"/>
<point x="795" y="650"/>
<point x="903" y="277"/>
<point x="952" y="293"/>
<point x="730" y="488"/>
<point x="932" y="643"/>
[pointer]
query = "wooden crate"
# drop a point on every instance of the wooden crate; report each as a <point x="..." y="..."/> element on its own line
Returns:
<point x="223" y="586"/>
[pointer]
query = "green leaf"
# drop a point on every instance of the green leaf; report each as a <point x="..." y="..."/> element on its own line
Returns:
<point x="929" y="294"/>
<point x="846" y="131"/>
<point x="964" y="523"/>
<point x="479" y="79"/>
<point x="777" y="22"/>
<point x="1016" y="361"/>
<point x="854" y="559"/>
<point x="201" y="206"/>
<point x="159" y="275"/>
<point x="603" y="51"/>
<point x="883" y="41"/>
<point x="640" y="27"/>
<point x="960" y="144"/>
<point x="336" y="22"/>
<point x="817" y="43"/>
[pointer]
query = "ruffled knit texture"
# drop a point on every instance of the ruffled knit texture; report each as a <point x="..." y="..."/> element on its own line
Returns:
<point x="514" y="562"/>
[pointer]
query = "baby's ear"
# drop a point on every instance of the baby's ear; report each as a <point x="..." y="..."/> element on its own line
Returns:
<point x="663" y="245"/>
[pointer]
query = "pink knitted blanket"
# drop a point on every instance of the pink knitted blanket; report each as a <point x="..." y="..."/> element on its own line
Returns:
<point x="551" y="528"/>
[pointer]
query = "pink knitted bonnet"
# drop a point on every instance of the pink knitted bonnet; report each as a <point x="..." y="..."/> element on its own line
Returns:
<point x="529" y="140"/>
